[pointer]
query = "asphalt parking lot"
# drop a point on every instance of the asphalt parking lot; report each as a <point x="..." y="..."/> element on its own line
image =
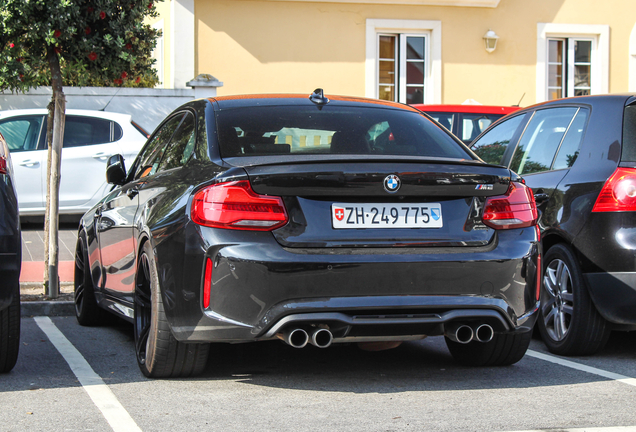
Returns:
<point x="70" y="377"/>
<point x="76" y="378"/>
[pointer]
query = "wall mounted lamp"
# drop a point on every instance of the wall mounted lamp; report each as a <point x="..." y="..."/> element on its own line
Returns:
<point x="490" y="38"/>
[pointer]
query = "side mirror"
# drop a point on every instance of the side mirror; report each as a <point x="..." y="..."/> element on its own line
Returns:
<point x="115" y="170"/>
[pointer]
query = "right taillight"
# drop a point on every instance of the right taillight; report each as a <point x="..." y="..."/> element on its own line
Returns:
<point x="618" y="193"/>
<point x="235" y="205"/>
<point x="515" y="209"/>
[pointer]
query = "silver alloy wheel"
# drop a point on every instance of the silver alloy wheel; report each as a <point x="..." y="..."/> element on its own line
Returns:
<point x="558" y="299"/>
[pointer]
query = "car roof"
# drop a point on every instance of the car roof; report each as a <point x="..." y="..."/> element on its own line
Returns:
<point x="120" y="117"/>
<point x="623" y="98"/>
<point x="225" y="102"/>
<point x="475" y="109"/>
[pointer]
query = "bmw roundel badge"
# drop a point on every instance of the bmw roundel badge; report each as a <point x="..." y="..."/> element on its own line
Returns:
<point x="392" y="183"/>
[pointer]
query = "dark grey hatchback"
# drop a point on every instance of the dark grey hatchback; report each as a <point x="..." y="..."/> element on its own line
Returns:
<point x="10" y="263"/>
<point x="313" y="220"/>
<point x="579" y="157"/>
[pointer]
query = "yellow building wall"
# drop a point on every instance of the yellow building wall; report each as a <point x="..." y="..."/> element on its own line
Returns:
<point x="260" y="46"/>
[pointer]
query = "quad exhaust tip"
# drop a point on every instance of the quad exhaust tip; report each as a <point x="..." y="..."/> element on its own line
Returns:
<point x="323" y="338"/>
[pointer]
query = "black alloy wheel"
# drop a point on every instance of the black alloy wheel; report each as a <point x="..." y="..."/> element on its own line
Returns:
<point x="10" y="332"/>
<point x="142" y="308"/>
<point x="503" y="350"/>
<point x="159" y="354"/>
<point x="568" y="320"/>
<point x="87" y="311"/>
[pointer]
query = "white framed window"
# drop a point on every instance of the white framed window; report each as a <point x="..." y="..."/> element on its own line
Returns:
<point x="572" y="60"/>
<point x="569" y="67"/>
<point x="403" y="60"/>
<point x="401" y="74"/>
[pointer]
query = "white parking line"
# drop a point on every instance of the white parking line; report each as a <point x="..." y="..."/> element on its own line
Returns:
<point x="115" y="414"/>
<point x="558" y="360"/>
<point x="599" y="429"/>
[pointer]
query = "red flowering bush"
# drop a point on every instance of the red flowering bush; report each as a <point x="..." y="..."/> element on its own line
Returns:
<point x="93" y="41"/>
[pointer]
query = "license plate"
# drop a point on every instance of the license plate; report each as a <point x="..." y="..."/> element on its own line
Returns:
<point x="428" y="215"/>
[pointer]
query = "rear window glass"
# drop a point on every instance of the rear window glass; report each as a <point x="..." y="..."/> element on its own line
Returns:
<point x="284" y="130"/>
<point x="629" y="134"/>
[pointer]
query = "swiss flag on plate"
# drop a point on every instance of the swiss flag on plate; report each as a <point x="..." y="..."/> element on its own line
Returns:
<point x="338" y="213"/>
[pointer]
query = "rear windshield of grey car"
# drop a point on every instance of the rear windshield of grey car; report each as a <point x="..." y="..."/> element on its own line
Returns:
<point x="285" y="130"/>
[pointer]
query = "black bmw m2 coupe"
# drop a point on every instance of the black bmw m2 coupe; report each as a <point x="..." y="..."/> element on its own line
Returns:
<point x="313" y="219"/>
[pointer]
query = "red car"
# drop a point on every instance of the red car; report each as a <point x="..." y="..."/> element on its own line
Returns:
<point x="466" y="121"/>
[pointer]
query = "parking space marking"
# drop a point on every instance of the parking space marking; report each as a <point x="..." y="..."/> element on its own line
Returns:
<point x="105" y="400"/>
<point x="567" y="363"/>
<point x="593" y="429"/>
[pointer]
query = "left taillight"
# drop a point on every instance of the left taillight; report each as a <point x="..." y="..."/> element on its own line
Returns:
<point x="515" y="209"/>
<point x="234" y="205"/>
<point x="3" y="165"/>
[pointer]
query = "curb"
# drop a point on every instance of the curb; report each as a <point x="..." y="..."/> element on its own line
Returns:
<point x="47" y="308"/>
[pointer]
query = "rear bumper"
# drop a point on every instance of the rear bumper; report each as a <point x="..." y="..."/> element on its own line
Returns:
<point x="258" y="287"/>
<point x="614" y="295"/>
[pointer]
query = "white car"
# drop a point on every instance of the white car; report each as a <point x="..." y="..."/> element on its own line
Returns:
<point x="90" y="138"/>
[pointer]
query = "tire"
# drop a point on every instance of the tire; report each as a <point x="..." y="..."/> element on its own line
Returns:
<point x="159" y="354"/>
<point x="87" y="311"/>
<point x="503" y="350"/>
<point x="568" y="320"/>
<point x="10" y="333"/>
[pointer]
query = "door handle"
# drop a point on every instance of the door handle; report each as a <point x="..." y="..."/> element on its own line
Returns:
<point x="101" y="156"/>
<point x="132" y="192"/>
<point x="29" y="163"/>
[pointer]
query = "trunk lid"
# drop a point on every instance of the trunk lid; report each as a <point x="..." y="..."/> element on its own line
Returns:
<point x="351" y="204"/>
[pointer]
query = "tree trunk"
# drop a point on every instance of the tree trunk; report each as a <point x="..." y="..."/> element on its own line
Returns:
<point x="49" y="142"/>
<point x="54" y="176"/>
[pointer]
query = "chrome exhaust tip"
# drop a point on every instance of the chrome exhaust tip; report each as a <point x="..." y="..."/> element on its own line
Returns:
<point x="321" y="338"/>
<point x="484" y="333"/>
<point x="297" y="338"/>
<point x="460" y="333"/>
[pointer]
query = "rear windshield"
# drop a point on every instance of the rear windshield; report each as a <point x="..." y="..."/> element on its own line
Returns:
<point x="284" y="130"/>
<point x="629" y="134"/>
